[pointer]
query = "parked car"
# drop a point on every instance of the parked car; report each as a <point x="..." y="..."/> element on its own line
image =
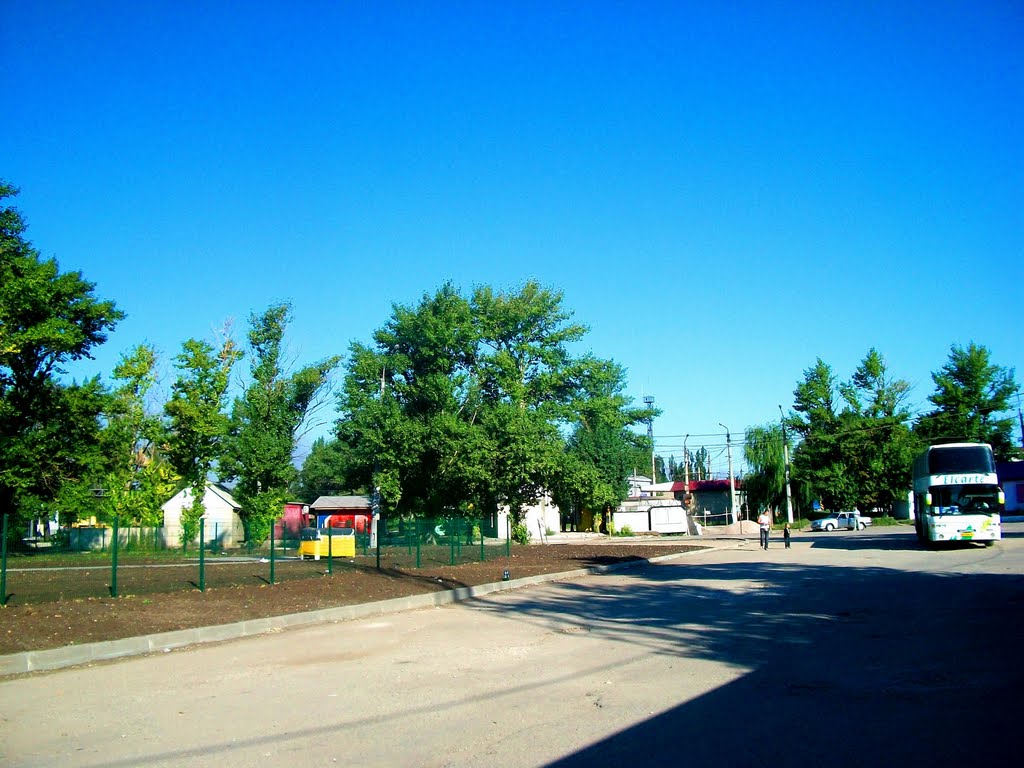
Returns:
<point x="850" y="521"/>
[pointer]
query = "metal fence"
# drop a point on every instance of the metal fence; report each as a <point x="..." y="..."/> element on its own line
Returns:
<point x="81" y="563"/>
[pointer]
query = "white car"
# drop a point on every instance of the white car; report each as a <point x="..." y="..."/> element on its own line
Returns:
<point x="850" y="521"/>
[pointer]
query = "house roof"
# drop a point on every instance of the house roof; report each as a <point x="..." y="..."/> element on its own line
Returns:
<point x="224" y="494"/>
<point x="680" y="486"/>
<point x="217" y="490"/>
<point x="341" y="502"/>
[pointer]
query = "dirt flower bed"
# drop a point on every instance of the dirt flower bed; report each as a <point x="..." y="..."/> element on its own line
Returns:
<point x="51" y="608"/>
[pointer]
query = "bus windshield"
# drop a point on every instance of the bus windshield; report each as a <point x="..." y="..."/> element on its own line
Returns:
<point x="965" y="499"/>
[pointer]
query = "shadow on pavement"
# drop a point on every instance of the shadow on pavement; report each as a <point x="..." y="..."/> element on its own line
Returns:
<point x="848" y="666"/>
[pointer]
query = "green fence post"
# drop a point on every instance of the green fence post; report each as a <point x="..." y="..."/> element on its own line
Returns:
<point x="202" y="554"/>
<point x="481" y="525"/>
<point x="113" y="558"/>
<point x="418" y="548"/>
<point x="508" y="535"/>
<point x="450" y="524"/>
<point x="272" y="581"/>
<point x="3" y="564"/>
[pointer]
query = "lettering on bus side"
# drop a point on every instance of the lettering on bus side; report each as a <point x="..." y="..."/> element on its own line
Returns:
<point x="975" y="478"/>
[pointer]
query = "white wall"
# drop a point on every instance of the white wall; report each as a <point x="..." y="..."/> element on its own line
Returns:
<point x="656" y="516"/>
<point x="538" y="518"/>
<point x="223" y="526"/>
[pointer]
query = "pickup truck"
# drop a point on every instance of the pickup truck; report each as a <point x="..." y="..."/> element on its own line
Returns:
<point x="851" y="521"/>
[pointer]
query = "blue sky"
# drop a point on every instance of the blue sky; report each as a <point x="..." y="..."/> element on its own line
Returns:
<point x="723" y="191"/>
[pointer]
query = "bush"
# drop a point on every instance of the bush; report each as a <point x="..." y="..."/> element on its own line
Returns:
<point x="520" y="533"/>
<point x="625" y="531"/>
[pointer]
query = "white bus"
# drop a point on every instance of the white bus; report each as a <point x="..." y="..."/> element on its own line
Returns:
<point x="957" y="495"/>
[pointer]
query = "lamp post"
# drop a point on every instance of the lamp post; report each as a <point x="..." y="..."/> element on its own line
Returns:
<point x="732" y="483"/>
<point x="785" y="454"/>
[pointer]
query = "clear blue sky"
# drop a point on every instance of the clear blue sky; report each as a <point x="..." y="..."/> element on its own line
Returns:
<point x="723" y="191"/>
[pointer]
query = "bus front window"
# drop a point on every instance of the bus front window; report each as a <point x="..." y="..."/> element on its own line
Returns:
<point x="964" y="499"/>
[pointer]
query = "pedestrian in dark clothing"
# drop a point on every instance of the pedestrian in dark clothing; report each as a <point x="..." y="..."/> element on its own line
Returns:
<point x="785" y="534"/>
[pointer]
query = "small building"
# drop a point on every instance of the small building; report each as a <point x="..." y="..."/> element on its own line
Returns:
<point x="223" y="525"/>
<point x="296" y="517"/>
<point x="354" y="512"/>
<point x="652" y="516"/>
<point x="707" y="501"/>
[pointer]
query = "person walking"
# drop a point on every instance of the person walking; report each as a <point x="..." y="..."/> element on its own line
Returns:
<point x="785" y="534"/>
<point x="765" y="521"/>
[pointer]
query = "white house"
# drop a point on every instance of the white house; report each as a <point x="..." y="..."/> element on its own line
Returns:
<point x="538" y="518"/>
<point x="223" y="526"/>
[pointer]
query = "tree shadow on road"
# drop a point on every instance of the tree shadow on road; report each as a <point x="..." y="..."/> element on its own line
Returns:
<point x="848" y="666"/>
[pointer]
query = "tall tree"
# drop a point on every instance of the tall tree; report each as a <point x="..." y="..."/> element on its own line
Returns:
<point x="266" y="422"/>
<point x="972" y="401"/>
<point x="765" y="479"/>
<point x="139" y="478"/>
<point x="527" y="377"/>
<point x="198" y="421"/>
<point x="325" y="472"/>
<point x="48" y="318"/>
<point x="877" y="443"/>
<point x="460" y="404"/>
<point x="818" y="460"/>
<point x="602" y="450"/>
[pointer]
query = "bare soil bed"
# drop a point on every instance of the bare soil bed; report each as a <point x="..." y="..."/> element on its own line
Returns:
<point x="55" y="607"/>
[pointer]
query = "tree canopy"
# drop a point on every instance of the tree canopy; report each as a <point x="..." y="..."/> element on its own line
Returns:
<point x="47" y="319"/>
<point x="972" y="401"/>
<point x="462" y="405"/>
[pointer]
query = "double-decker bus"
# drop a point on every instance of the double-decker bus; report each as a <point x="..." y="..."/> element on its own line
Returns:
<point x="957" y="495"/>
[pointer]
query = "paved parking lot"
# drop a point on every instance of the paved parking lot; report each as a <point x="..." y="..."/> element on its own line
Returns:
<point x="852" y="648"/>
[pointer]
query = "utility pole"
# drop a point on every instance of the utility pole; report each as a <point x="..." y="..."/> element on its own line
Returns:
<point x="1020" y="418"/>
<point x="785" y="454"/>
<point x="686" y="462"/>
<point x="649" y="402"/>
<point x="732" y="483"/>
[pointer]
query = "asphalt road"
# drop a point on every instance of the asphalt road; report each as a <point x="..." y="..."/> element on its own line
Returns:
<point x="850" y="649"/>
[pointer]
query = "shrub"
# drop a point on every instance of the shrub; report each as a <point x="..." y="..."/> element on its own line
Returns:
<point x="520" y="533"/>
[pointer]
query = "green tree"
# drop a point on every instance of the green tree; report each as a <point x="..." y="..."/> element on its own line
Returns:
<point x="410" y="409"/>
<point x="461" y="404"/>
<point x="529" y="383"/>
<point x="266" y="422"/>
<point x="48" y="318"/>
<point x="198" y="423"/>
<point x="818" y="459"/>
<point x="325" y="471"/>
<point x="138" y="479"/>
<point x="877" y="443"/>
<point x="765" y="479"/>
<point x="856" y="448"/>
<point x="602" y="450"/>
<point x="972" y="401"/>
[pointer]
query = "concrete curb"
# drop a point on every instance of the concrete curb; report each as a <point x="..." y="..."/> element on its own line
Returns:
<point x="77" y="655"/>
